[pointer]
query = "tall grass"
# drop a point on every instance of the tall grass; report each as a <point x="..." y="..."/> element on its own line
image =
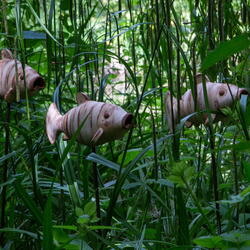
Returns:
<point x="152" y="189"/>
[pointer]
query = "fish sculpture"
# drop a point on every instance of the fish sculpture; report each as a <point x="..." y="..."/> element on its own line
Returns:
<point x="220" y="95"/>
<point x="12" y="77"/>
<point x="101" y="122"/>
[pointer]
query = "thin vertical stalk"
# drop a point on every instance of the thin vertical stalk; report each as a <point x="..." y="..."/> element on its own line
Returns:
<point x="133" y="36"/>
<point x="159" y="64"/>
<point x="170" y="77"/>
<point x="221" y="19"/>
<point x="85" y="180"/>
<point x="134" y="63"/>
<point x="178" y="74"/>
<point x="5" y="173"/>
<point x="120" y="179"/>
<point x="105" y="38"/>
<point x="62" y="199"/>
<point x="118" y="38"/>
<point x="180" y="209"/>
<point x="156" y="168"/>
<point x="214" y="166"/>
<point x="175" y="144"/>
<point x="215" y="178"/>
<point x="48" y="43"/>
<point x="55" y="44"/>
<point x="198" y="193"/>
<point x="96" y="186"/>
<point x="61" y="48"/>
<point x="62" y="74"/>
<point x="236" y="182"/>
<point x="4" y="13"/>
<point x="244" y="12"/>
<point x="221" y="31"/>
<point x="194" y="75"/>
<point x="20" y="41"/>
<point x="210" y="23"/>
<point x="36" y="190"/>
<point x="7" y="142"/>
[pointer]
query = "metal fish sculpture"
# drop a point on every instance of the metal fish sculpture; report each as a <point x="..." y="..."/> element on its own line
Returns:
<point x="12" y="77"/>
<point x="220" y="95"/>
<point x="101" y="122"/>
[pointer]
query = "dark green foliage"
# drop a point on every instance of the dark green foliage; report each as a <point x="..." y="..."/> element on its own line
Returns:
<point x="156" y="190"/>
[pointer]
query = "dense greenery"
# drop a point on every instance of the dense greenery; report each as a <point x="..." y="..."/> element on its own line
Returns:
<point x="152" y="189"/>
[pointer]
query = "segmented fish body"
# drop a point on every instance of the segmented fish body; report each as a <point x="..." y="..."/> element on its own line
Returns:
<point x="12" y="76"/>
<point x="220" y="95"/>
<point x="101" y="122"/>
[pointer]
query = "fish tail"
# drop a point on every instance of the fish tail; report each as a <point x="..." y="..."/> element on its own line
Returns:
<point x="169" y="109"/>
<point x="54" y="122"/>
<point x="6" y="53"/>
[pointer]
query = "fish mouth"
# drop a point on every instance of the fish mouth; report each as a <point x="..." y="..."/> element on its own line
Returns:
<point x="37" y="83"/>
<point x="243" y="92"/>
<point x="127" y="121"/>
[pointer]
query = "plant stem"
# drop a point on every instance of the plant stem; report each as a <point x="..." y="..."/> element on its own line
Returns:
<point x="5" y="173"/>
<point x="97" y="197"/>
<point x="215" y="179"/>
<point x="198" y="205"/>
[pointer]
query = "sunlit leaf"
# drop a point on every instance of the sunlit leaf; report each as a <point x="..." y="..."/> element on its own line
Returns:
<point x="225" y="50"/>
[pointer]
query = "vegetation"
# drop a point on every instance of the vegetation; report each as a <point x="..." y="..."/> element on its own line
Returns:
<point x="152" y="189"/>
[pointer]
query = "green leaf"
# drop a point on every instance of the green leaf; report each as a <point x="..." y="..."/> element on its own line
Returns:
<point x="209" y="241"/>
<point x="236" y="237"/>
<point x="60" y="236"/>
<point x="131" y="154"/>
<point x="20" y="231"/>
<point x="47" y="226"/>
<point x="101" y="160"/>
<point x="83" y="219"/>
<point x="79" y="211"/>
<point x="6" y="157"/>
<point x="241" y="146"/>
<point x="66" y="227"/>
<point x="225" y="50"/>
<point x="176" y="180"/>
<point x="245" y="192"/>
<point x="90" y="208"/>
<point x="247" y="169"/>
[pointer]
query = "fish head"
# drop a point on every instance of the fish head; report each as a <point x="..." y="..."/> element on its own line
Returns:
<point x="114" y="121"/>
<point x="34" y="81"/>
<point x="227" y="94"/>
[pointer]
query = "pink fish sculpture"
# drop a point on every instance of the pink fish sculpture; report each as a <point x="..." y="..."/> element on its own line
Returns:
<point x="101" y="122"/>
<point x="220" y="95"/>
<point x="12" y="77"/>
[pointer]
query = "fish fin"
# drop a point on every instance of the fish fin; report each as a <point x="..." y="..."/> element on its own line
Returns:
<point x="65" y="137"/>
<point x="53" y="123"/>
<point x="213" y="117"/>
<point x="10" y="95"/>
<point x="6" y="53"/>
<point x="188" y="124"/>
<point x="96" y="136"/>
<point x="198" y="78"/>
<point x="81" y="98"/>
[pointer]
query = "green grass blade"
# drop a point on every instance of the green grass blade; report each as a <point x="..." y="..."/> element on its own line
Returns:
<point x="47" y="226"/>
<point x="28" y="201"/>
<point x="41" y="23"/>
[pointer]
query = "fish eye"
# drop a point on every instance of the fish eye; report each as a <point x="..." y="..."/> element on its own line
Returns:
<point x="221" y="92"/>
<point x="20" y="76"/>
<point x="106" y="115"/>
